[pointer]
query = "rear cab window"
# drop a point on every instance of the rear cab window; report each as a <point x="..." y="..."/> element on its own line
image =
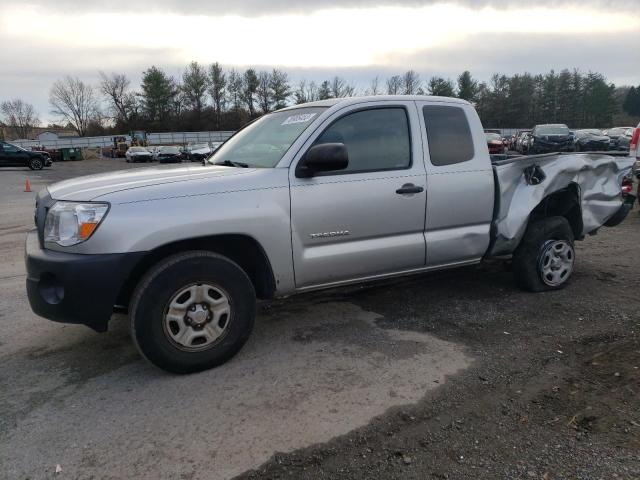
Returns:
<point x="448" y="134"/>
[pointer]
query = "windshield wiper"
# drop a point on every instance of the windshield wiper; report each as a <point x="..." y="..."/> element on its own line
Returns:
<point x="231" y="163"/>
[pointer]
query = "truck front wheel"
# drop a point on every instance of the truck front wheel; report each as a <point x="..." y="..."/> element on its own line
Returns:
<point x="545" y="258"/>
<point x="192" y="312"/>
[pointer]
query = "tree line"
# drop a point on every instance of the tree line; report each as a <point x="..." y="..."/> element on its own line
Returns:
<point x="213" y="98"/>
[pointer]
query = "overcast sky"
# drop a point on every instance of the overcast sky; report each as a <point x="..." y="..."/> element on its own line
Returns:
<point x="42" y="41"/>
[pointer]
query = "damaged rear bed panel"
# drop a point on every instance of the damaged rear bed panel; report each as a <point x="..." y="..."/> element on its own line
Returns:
<point x="597" y="177"/>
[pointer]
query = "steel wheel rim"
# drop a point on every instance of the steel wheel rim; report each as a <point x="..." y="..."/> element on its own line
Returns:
<point x="556" y="262"/>
<point x="197" y="317"/>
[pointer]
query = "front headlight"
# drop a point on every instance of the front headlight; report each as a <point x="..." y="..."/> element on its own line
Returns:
<point x="70" y="223"/>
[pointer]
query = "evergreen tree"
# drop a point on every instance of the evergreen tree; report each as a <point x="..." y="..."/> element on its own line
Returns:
<point x="194" y="86"/>
<point x="467" y="87"/>
<point x="158" y="95"/>
<point x="631" y="103"/>
<point x="441" y="87"/>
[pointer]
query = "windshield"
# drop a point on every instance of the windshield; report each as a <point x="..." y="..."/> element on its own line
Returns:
<point x="198" y="146"/>
<point x="552" y="130"/>
<point x="18" y="147"/>
<point x="138" y="149"/>
<point x="493" y="136"/>
<point x="264" y="142"/>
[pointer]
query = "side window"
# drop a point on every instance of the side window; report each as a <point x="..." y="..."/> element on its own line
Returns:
<point x="376" y="139"/>
<point x="448" y="134"/>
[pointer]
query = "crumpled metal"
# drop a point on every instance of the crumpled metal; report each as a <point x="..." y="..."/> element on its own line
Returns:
<point x="598" y="177"/>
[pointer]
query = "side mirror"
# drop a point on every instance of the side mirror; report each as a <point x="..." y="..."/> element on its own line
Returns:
<point x="325" y="157"/>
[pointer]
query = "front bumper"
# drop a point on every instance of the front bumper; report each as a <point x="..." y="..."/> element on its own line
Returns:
<point x="75" y="288"/>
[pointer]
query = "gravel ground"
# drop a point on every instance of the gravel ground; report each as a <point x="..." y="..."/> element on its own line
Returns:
<point x="451" y="375"/>
<point x="554" y="392"/>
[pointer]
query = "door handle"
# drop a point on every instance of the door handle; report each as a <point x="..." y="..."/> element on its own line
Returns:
<point x="409" y="188"/>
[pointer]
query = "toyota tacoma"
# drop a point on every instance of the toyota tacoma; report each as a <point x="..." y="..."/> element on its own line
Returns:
<point x="308" y="197"/>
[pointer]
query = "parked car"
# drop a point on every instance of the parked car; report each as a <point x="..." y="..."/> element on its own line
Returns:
<point x="522" y="142"/>
<point x="613" y="134"/>
<point x="495" y="143"/>
<point x="590" y="140"/>
<point x="550" y="138"/>
<point x="624" y="140"/>
<point x="304" y="198"/>
<point x="169" y="155"/>
<point x="198" y="152"/>
<point x="155" y="151"/>
<point x="14" y="156"/>
<point x="138" y="154"/>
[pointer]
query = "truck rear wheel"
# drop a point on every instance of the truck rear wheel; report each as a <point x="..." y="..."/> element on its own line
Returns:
<point x="545" y="258"/>
<point x="192" y="312"/>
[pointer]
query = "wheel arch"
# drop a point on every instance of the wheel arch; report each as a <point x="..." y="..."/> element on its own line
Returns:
<point x="562" y="203"/>
<point x="243" y="249"/>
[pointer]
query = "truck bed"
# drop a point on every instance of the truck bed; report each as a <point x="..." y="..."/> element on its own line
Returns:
<point x="598" y="178"/>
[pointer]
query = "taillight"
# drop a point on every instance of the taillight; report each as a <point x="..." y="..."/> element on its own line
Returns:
<point x="634" y="142"/>
<point x="627" y="185"/>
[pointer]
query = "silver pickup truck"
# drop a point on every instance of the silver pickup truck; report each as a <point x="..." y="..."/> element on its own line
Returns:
<point x="308" y="197"/>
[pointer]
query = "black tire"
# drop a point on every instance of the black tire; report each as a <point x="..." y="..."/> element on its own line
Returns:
<point x="528" y="257"/>
<point x="36" y="164"/>
<point x="150" y="302"/>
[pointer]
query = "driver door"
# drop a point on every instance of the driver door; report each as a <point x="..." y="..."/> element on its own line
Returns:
<point x="363" y="221"/>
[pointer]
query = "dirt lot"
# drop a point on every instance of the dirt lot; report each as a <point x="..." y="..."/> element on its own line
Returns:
<point x="454" y="375"/>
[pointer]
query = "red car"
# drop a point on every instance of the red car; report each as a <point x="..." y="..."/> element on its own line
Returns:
<point x="495" y="143"/>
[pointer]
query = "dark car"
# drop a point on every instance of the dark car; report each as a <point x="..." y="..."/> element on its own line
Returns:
<point x="495" y="143"/>
<point x="170" y="155"/>
<point x="624" y="139"/>
<point x="614" y="135"/>
<point x="550" y="138"/>
<point x="14" y="156"/>
<point x="591" y="140"/>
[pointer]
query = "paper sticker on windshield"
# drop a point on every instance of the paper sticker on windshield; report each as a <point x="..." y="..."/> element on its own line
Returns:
<point x="301" y="118"/>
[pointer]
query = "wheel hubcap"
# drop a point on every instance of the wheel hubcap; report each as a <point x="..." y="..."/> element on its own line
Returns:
<point x="197" y="316"/>
<point x="556" y="262"/>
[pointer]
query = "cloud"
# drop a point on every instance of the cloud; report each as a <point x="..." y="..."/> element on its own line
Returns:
<point x="356" y="44"/>
<point x="253" y="8"/>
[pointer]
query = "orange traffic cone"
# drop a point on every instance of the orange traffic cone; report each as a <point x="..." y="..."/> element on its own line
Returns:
<point x="27" y="186"/>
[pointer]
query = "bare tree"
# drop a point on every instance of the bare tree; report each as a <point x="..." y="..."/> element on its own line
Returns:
<point x="217" y="86"/>
<point x="263" y="92"/>
<point x="306" y="92"/>
<point x="234" y="87"/>
<point x="374" y="86"/>
<point x="410" y="83"/>
<point x="122" y="102"/>
<point x="340" y="88"/>
<point x="74" y="101"/>
<point x="394" y="85"/>
<point x="250" y="85"/>
<point x="19" y="116"/>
